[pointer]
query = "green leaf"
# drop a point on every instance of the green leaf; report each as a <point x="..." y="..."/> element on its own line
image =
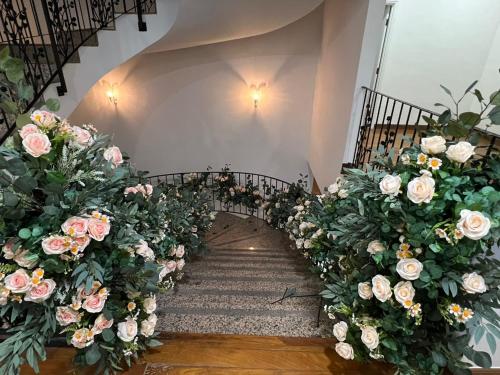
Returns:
<point x="439" y="359"/>
<point x="9" y="107"/>
<point x="390" y="343"/>
<point x="93" y="354"/>
<point x="25" y="184"/>
<point x="52" y="105"/>
<point x="14" y="70"/>
<point x="82" y="276"/>
<point x="446" y="90"/>
<point x="471" y="86"/>
<point x="495" y="98"/>
<point x="108" y="335"/>
<point x="24" y="233"/>
<point x="453" y="288"/>
<point x="23" y="119"/>
<point x="492" y="343"/>
<point x="479" y="333"/>
<point x="56" y="177"/>
<point x="494" y="115"/>
<point x="4" y="56"/>
<point x="494" y="330"/>
<point x="444" y="117"/>
<point x="470" y="118"/>
<point x="456" y="129"/>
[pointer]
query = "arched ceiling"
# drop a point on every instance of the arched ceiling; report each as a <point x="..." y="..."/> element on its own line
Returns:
<point x="201" y="22"/>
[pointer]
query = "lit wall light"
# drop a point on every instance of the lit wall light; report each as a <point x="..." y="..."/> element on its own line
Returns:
<point x="256" y="93"/>
<point x="112" y="94"/>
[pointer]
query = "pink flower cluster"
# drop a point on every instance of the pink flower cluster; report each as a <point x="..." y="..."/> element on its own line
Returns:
<point x="35" y="288"/>
<point x="146" y="190"/>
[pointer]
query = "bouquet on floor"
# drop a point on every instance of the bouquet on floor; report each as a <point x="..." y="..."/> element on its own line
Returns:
<point x="85" y="244"/>
<point x="412" y="277"/>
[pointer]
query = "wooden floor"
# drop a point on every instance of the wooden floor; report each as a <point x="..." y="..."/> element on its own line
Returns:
<point x="209" y="354"/>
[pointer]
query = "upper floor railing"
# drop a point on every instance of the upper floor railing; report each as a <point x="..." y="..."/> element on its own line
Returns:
<point x="211" y="181"/>
<point x="389" y="123"/>
<point x="46" y="34"/>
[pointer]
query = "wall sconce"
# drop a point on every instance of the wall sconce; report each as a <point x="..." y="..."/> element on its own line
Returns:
<point x="112" y="94"/>
<point x="256" y="93"/>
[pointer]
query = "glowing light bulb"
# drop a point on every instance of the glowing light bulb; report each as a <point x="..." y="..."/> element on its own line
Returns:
<point x="256" y="93"/>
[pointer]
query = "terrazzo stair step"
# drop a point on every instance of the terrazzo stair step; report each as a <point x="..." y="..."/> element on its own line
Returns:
<point x="277" y="286"/>
<point x="270" y="275"/>
<point x="292" y="326"/>
<point x="246" y="265"/>
<point x="273" y="294"/>
<point x="240" y="301"/>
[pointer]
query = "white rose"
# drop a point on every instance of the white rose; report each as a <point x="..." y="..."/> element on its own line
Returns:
<point x="333" y="188"/>
<point x="340" y="330"/>
<point x="433" y="145"/>
<point x="365" y="290"/>
<point x="390" y="185"/>
<point x="473" y="224"/>
<point x="421" y="189"/>
<point x="473" y="283"/>
<point x="461" y="152"/>
<point x="375" y="247"/>
<point x="299" y="243"/>
<point x="37" y="144"/>
<point x="143" y="249"/>
<point x="369" y="336"/>
<point x="149" y="305"/>
<point x="344" y="350"/>
<point x="381" y="288"/>
<point x="404" y="291"/>
<point x="148" y="325"/>
<point x="307" y="244"/>
<point x="409" y="268"/>
<point x="127" y="330"/>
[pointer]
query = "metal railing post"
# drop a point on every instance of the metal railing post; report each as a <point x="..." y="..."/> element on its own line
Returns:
<point x="140" y="21"/>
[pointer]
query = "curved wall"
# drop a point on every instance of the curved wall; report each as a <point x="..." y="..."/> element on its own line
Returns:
<point x="190" y="108"/>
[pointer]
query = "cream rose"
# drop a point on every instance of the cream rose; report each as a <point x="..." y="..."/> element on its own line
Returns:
<point x="149" y="304"/>
<point x="55" y="245"/>
<point x="98" y="229"/>
<point x="143" y="249"/>
<point x="75" y="226"/>
<point x="65" y="315"/>
<point x="460" y="152"/>
<point x="473" y="283"/>
<point x="381" y="288"/>
<point x="404" y="291"/>
<point x="82" y="338"/>
<point x="473" y="224"/>
<point x="18" y="282"/>
<point x="180" y="251"/>
<point x="340" y="330"/>
<point x="43" y="118"/>
<point x="28" y="129"/>
<point x="41" y="292"/>
<point x="390" y="185"/>
<point x="433" y="145"/>
<point x="148" y="325"/>
<point x="25" y="259"/>
<point x="82" y="137"/>
<point x="409" y="268"/>
<point x="94" y="303"/>
<point x="127" y="330"/>
<point x="369" y="337"/>
<point x="101" y="323"/>
<point x="37" y="144"/>
<point x="114" y="155"/>
<point x="375" y="247"/>
<point x="333" y="188"/>
<point x="180" y="264"/>
<point x="421" y="189"/>
<point x="365" y="290"/>
<point x="344" y="350"/>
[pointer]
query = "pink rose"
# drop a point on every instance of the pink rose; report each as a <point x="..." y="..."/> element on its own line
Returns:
<point x="55" y="244"/>
<point x="94" y="303"/>
<point x="179" y="252"/>
<point x="65" y="315"/>
<point x="28" y="129"/>
<point x="98" y="229"/>
<point x="130" y="190"/>
<point x="82" y="338"/>
<point x="149" y="189"/>
<point x="18" y="282"/>
<point x="81" y="242"/>
<point x="180" y="264"/>
<point x="101" y="323"/>
<point x="114" y="155"/>
<point x="37" y="144"/>
<point x="41" y="292"/>
<point x="43" y="118"/>
<point x="25" y="259"/>
<point x="82" y="293"/>
<point x="82" y="137"/>
<point x="75" y="226"/>
<point x="8" y="249"/>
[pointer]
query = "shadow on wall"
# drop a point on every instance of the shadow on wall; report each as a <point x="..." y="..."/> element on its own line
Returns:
<point x="189" y="108"/>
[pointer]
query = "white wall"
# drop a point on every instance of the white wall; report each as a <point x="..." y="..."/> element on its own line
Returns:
<point x="347" y="60"/>
<point x="190" y="108"/>
<point x="432" y="42"/>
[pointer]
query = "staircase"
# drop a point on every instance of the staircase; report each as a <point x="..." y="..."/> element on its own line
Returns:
<point x="67" y="45"/>
<point x="231" y="289"/>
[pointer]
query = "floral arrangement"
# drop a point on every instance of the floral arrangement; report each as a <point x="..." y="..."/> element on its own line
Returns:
<point x="86" y="243"/>
<point x="405" y="250"/>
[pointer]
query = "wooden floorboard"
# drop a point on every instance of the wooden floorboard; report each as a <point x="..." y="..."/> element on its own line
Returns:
<point x="214" y="354"/>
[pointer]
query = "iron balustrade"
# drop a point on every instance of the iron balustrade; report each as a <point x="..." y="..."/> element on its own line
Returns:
<point x="266" y="185"/>
<point x="46" y="34"/>
<point x="388" y="123"/>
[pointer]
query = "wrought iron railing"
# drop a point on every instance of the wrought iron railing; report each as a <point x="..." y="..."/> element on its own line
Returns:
<point x="389" y="123"/>
<point x="266" y="185"/>
<point x="46" y="34"/>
